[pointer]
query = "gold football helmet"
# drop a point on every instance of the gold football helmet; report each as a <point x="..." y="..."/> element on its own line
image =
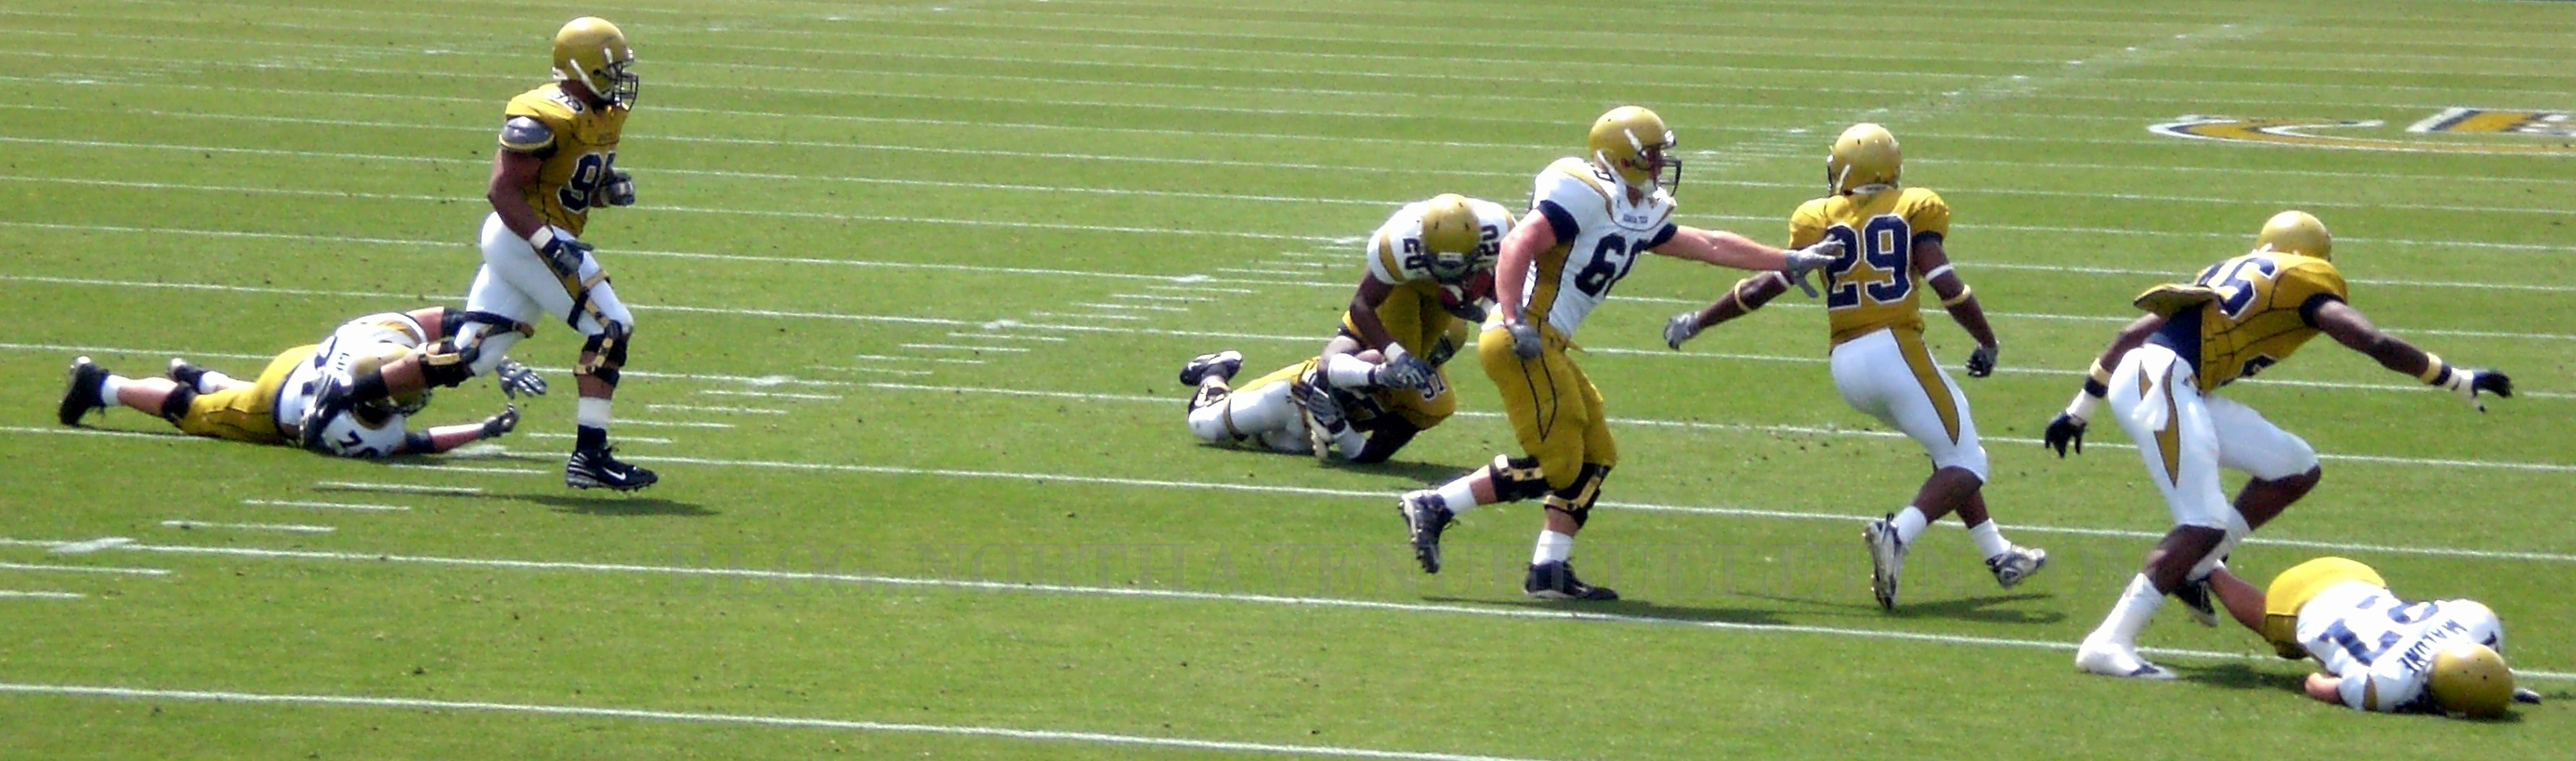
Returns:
<point x="1864" y="159"/>
<point x="2470" y="679"/>
<point x="375" y="357"/>
<point x="2296" y="232"/>
<point x="1450" y="232"/>
<point x="591" y="51"/>
<point x="1630" y="142"/>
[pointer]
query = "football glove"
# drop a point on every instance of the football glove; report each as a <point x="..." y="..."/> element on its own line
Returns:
<point x="1981" y="362"/>
<point x="502" y="423"/>
<point x="619" y="190"/>
<point x="1404" y="370"/>
<point x="519" y="380"/>
<point x="2063" y="430"/>
<point x="1810" y="259"/>
<point x="561" y="252"/>
<point x="2468" y="383"/>
<point x="2525" y="695"/>
<point x="1525" y="343"/>
<point x="1680" y="328"/>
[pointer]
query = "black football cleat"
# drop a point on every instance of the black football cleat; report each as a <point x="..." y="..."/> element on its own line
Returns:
<point x="590" y="468"/>
<point x="80" y="392"/>
<point x="1222" y="364"/>
<point x="184" y="373"/>
<point x="1556" y="581"/>
<point x="2194" y="594"/>
<point x="1425" y="515"/>
<point x="330" y="400"/>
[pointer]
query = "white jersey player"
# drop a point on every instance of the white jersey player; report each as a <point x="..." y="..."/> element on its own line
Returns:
<point x="2377" y="651"/>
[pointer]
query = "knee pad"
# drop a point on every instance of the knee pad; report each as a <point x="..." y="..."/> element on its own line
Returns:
<point x="1517" y="479"/>
<point x="1576" y="501"/>
<point x="1211" y="424"/>
<point x="445" y="366"/>
<point x="174" y="406"/>
<point x="607" y="350"/>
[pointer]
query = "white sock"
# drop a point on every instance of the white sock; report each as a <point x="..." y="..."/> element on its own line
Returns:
<point x="2137" y="604"/>
<point x="1989" y="538"/>
<point x="591" y="411"/>
<point x="1459" y="494"/>
<point x="213" y="381"/>
<point x="1347" y="371"/>
<point x="1349" y="442"/>
<point x="1552" y="547"/>
<point x="107" y="388"/>
<point x="1909" y="523"/>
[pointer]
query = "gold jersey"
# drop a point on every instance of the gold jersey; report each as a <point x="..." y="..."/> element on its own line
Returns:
<point x="581" y="152"/>
<point x="1875" y="284"/>
<point x="2243" y="314"/>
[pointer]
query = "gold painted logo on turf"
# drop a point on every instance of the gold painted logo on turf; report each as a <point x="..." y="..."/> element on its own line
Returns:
<point x="2348" y="133"/>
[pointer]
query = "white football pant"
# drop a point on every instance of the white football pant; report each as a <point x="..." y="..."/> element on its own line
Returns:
<point x="1895" y="380"/>
<point x="2185" y="436"/>
<point x="515" y="282"/>
<point x="1265" y="415"/>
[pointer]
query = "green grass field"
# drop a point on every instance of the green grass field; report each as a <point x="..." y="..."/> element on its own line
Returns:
<point x="912" y="281"/>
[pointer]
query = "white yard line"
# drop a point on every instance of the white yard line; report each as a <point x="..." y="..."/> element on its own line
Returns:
<point x="20" y="594"/>
<point x="759" y="720"/>
<point x="1007" y="336"/>
<point x="551" y="435"/>
<point x="768" y="395"/>
<point x="668" y="423"/>
<point x="479" y="469"/>
<point x="717" y="409"/>
<point x="1510" y="612"/>
<point x="7" y="566"/>
<point x="446" y="491"/>
<point x="963" y="347"/>
<point x="898" y="358"/>
<point x="324" y="505"/>
<point x="1064" y="316"/>
<point x="293" y="528"/>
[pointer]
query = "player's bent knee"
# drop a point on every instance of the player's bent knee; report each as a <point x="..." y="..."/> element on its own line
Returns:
<point x="1208" y="423"/>
<point x="444" y="366"/>
<point x="175" y="406"/>
<point x="1517" y="478"/>
<point x="1576" y="500"/>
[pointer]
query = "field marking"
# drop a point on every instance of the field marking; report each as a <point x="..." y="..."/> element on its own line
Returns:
<point x="620" y="439"/>
<point x="694" y="717"/>
<point x="481" y="469"/>
<point x="725" y="410"/>
<point x="7" y="594"/>
<point x="1063" y="316"/>
<point x="964" y="347"/>
<point x="669" y="423"/>
<point x="1008" y="336"/>
<point x="886" y="370"/>
<point x="447" y="491"/>
<point x="767" y="395"/>
<point x="8" y="566"/>
<point x="296" y="528"/>
<point x="1498" y="611"/>
<point x="324" y="505"/>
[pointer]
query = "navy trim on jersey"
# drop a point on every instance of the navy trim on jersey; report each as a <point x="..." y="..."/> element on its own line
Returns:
<point x="2181" y="333"/>
<point x="1919" y="238"/>
<point x="2308" y="309"/>
<point x="1663" y="236"/>
<point x="1560" y="219"/>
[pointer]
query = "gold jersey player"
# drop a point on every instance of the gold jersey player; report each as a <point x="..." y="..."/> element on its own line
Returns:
<point x="2161" y="375"/>
<point x="1379" y="380"/>
<point x="556" y="163"/>
<point x="1893" y="244"/>
<point x="2374" y="650"/>
<point x="1590" y="220"/>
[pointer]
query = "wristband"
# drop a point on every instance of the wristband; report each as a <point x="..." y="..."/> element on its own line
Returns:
<point x="2082" y="408"/>
<point x="1965" y="293"/>
<point x="543" y="237"/>
<point x="2436" y="371"/>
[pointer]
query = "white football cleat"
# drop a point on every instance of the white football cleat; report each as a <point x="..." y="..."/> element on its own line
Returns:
<point x="2112" y="659"/>
<point x="1886" y="559"/>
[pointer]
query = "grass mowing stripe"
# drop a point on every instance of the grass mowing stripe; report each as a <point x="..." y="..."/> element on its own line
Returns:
<point x="1513" y="612"/>
<point x="425" y="704"/>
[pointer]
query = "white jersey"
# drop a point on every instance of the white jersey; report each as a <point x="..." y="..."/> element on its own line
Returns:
<point x="346" y="434"/>
<point x="2383" y="646"/>
<point x="1599" y="236"/>
<point x="1396" y="255"/>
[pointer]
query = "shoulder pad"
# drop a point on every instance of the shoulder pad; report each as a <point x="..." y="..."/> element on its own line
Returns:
<point x="2171" y="298"/>
<point x="1925" y="211"/>
<point x="526" y="134"/>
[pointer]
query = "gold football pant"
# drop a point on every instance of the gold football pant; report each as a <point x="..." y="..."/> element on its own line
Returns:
<point x="248" y="413"/>
<point x="2292" y="590"/>
<point x="1555" y="411"/>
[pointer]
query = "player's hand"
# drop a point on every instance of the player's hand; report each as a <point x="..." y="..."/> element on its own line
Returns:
<point x="2469" y="383"/>
<point x="2064" y="430"/>
<point x="1680" y="328"/>
<point x="1981" y="362"/>
<point x="619" y="190"/>
<point x="2525" y="695"/>
<point x="562" y="253"/>
<point x="502" y="423"/>
<point x="1810" y="259"/>
<point x="1404" y="370"/>
<point x="1525" y="343"/>
<point x="519" y="380"/>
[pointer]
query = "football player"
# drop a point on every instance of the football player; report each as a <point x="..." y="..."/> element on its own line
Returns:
<point x="1429" y="265"/>
<point x="557" y="162"/>
<point x="1590" y="219"/>
<point x="271" y="409"/>
<point x="2161" y="375"/>
<point x="1271" y="411"/>
<point x="1892" y="239"/>
<point x="2378" y="652"/>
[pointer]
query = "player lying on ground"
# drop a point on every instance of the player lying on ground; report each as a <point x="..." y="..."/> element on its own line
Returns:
<point x="1893" y="242"/>
<point x="269" y="410"/>
<point x="1270" y="411"/>
<point x="2378" y="652"/>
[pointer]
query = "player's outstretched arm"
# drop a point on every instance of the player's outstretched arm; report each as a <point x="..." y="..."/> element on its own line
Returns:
<point x="2326" y="687"/>
<point x="1748" y="294"/>
<point x="2351" y="329"/>
<point x="446" y="437"/>
<point x="1727" y="249"/>
<point x="2067" y="429"/>
<point x="1960" y="301"/>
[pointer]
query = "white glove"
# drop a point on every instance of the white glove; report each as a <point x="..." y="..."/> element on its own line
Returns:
<point x="1680" y="328"/>
<point x="1525" y="343"/>
<point x="519" y="380"/>
<point x="1810" y="259"/>
<point x="1403" y="370"/>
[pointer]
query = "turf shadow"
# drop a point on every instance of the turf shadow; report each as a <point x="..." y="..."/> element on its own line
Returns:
<point x="2239" y="676"/>
<point x="1972" y="609"/>
<point x="613" y="505"/>
<point x="1630" y="607"/>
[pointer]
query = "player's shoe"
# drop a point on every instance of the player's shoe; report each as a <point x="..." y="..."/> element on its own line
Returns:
<point x="330" y="400"/>
<point x="1324" y="419"/>
<point x="596" y="467"/>
<point x="2196" y="597"/>
<point x="2017" y="563"/>
<point x="1556" y="581"/>
<point x="80" y="390"/>
<point x="1222" y="364"/>
<point x="1425" y="515"/>
<point x="183" y="373"/>
<point x="2112" y="659"/>
<point x="1886" y="559"/>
